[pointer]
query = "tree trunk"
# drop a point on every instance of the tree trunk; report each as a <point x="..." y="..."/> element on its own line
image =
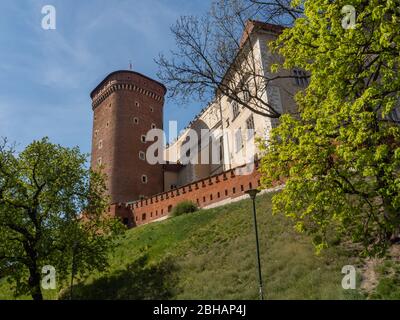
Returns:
<point x="34" y="284"/>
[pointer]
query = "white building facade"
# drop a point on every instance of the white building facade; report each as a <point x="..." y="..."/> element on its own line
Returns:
<point x="223" y="135"/>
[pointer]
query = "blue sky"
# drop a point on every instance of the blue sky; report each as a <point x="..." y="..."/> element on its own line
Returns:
<point x="46" y="75"/>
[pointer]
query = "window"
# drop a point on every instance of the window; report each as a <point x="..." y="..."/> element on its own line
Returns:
<point x="108" y="124"/>
<point x="189" y="146"/>
<point x="395" y="115"/>
<point x="235" y="109"/>
<point x="238" y="140"/>
<point x="135" y="120"/>
<point x="143" y="138"/>
<point x="187" y="153"/>
<point x="250" y="122"/>
<point x="246" y="94"/>
<point x="300" y="78"/>
<point x="100" y="144"/>
<point x="244" y="87"/>
<point x="99" y="161"/>
<point x="96" y="133"/>
<point x="143" y="216"/>
<point x="221" y="149"/>
<point x="142" y="155"/>
<point x="153" y="126"/>
<point x="250" y="127"/>
<point x="144" y="179"/>
<point x="137" y="104"/>
<point x="151" y="109"/>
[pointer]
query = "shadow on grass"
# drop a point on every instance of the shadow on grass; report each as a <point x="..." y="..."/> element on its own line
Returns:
<point x="139" y="281"/>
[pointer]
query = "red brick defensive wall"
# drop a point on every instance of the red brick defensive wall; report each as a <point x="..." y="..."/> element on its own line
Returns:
<point x="217" y="188"/>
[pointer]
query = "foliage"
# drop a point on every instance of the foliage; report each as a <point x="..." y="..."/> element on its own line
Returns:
<point x="140" y="280"/>
<point x="388" y="287"/>
<point x="183" y="207"/>
<point x="340" y="158"/>
<point x="51" y="208"/>
<point x="213" y="255"/>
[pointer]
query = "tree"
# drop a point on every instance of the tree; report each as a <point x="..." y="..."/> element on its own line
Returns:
<point x="51" y="212"/>
<point x="340" y="158"/>
<point x="216" y="55"/>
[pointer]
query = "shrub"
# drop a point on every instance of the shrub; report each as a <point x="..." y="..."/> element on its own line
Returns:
<point x="184" y="207"/>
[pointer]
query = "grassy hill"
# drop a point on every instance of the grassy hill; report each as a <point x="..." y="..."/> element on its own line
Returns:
<point x="210" y="254"/>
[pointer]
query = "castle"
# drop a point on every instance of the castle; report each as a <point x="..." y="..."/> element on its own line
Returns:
<point x="127" y="104"/>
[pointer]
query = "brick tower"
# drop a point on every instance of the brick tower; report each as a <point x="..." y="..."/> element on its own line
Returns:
<point x="126" y="105"/>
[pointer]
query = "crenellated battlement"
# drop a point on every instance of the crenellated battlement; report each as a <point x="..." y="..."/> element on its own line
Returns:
<point x="116" y="85"/>
<point x="212" y="191"/>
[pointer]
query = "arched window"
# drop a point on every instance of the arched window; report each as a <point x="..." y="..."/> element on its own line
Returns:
<point x="235" y="109"/>
<point x="301" y="78"/>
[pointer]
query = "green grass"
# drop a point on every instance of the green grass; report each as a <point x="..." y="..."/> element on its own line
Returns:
<point x="210" y="254"/>
<point x="388" y="287"/>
